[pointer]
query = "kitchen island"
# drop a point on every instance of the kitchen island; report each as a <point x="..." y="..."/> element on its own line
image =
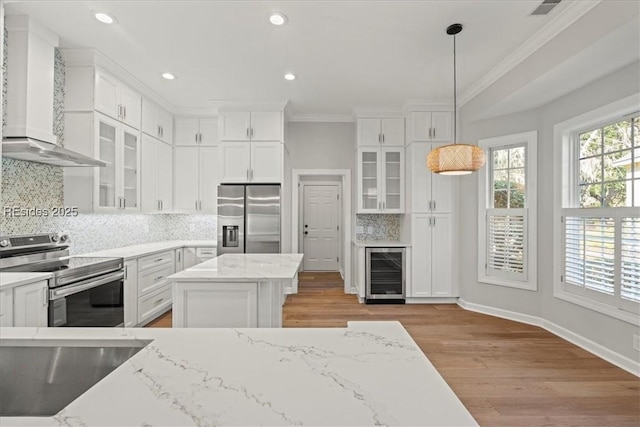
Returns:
<point x="234" y="290"/>
<point x="369" y="373"/>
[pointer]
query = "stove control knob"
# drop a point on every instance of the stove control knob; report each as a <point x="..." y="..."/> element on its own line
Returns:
<point x="4" y="243"/>
<point x="54" y="238"/>
<point x="64" y="237"/>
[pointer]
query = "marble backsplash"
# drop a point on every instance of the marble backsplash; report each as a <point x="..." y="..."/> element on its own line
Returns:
<point x="378" y="227"/>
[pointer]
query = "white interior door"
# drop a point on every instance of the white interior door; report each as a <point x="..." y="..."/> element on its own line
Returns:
<point x="320" y="227"/>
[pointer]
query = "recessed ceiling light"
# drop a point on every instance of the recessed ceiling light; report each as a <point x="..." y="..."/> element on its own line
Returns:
<point x="105" y="18"/>
<point x="290" y="76"/>
<point x="278" y="18"/>
<point x="168" y="76"/>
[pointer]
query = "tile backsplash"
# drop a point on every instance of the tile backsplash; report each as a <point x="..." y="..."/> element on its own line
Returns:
<point x="378" y="227"/>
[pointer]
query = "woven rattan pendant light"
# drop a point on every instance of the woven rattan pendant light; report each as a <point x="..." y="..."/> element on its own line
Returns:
<point x="455" y="159"/>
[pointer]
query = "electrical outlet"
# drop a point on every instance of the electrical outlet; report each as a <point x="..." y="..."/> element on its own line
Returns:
<point x="359" y="229"/>
<point x="369" y="229"/>
<point x="636" y="342"/>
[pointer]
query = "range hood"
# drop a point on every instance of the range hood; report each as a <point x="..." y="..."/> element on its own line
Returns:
<point x="28" y="131"/>
<point x="32" y="150"/>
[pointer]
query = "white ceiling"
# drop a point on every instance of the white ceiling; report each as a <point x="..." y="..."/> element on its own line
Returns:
<point x="346" y="53"/>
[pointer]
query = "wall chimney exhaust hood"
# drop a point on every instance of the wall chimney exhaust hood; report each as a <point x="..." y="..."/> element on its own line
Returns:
<point x="28" y="132"/>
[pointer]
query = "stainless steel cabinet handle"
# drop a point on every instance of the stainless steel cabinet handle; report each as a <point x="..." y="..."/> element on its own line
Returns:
<point x="119" y="111"/>
<point x="247" y="133"/>
<point x="126" y="272"/>
<point x="45" y="297"/>
<point x="247" y="174"/>
<point x="84" y="285"/>
<point x="379" y="138"/>
<point x="196" y="137"/>
<point x="124" y="203"/>
<point x="429" y="132"/>
<point x="434" y="205"/>
<point x="200" y="204"/>
<point x="125" y="112"/>
<point x="158" y="301"/>
<point x="251" y="174"/>
<point x="158" y="278"/>
<point x="383" y="138"/>
<point x="196" y="205"/>
<point x="251" y="132"/>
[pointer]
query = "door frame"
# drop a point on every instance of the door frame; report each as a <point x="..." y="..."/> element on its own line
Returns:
<point x="344" y="176"/>
<point x="301" y="189"/>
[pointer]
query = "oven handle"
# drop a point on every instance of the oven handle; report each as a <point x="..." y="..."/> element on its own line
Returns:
<point x="85" y="285"/>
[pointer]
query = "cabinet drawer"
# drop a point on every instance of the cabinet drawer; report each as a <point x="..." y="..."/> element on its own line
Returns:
<point x="154" y="304"/>
<point x="156" y="260"/>
<point x="206" y="253"/>
<point x="150" y="280"/>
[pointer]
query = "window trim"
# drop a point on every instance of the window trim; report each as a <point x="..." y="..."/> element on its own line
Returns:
<point x="530" y="141"/>
<point x="564" y="189"/>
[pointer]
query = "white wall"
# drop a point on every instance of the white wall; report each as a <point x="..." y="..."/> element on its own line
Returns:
<point x="613" y="334"/>
<point x="322" y="145"/>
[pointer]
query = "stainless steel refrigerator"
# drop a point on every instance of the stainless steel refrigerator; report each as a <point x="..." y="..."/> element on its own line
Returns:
<point x="248" y="218"/>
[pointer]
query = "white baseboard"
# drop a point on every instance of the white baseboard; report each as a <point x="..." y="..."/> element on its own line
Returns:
<point x="440" y="300"/>
<point x="602" y="352"/>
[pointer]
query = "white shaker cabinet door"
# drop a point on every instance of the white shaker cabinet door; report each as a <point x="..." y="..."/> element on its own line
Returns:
<point x="186" y="131"/>
<point x="266" y="162"/>
<point x="442" y="125"/>
<point x="30" y="303"/>
<point x="234" y="162"/>
<point x="266" y="126"/>
<point x="421" y="254"/>
<point x="208" y="132"/>
<point x="369" y="132"/>
<point x="441" y="264"/>
<point x="208" y="180"/>
<point x="186" y="178"/>
<point x="106" y="95"/>
<point x="235" y="126"/>
<point x="392" y="132"/>
<point x="131" y="102"/>
<point x="165" y="176"/>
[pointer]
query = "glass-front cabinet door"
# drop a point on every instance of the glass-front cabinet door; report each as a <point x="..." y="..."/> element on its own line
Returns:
<point x="117" y="185"/>
<point x="393" y="172"/>
<point x="130" y="168"/>
<point x="368" y="180"/>
<point x="107" y="150"/>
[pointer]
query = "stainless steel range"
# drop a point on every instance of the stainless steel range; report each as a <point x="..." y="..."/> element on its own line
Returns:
<point x="84" y="291"/>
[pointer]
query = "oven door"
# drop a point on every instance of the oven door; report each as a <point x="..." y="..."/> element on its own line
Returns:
<point x="94" y="302"/>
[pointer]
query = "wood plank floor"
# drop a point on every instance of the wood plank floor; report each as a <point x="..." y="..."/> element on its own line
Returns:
<point x="505" y="373"/>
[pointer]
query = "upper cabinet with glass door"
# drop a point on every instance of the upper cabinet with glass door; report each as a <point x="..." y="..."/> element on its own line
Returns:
<point x="117" y="185"/>
<point x="381" y="180"/>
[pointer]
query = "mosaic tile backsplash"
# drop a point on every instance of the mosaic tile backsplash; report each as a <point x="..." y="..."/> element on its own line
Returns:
<point x="378" y="227"/>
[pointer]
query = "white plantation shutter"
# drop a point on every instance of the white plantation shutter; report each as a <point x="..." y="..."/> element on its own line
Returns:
<point x="590" y="253"/>
<point x="630" y="259"/>
<point x="507" y="243"/>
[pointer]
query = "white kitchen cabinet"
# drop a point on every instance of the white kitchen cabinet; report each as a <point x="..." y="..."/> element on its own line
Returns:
<point x="195" y="179"/>
<point x="189" y="257"/>
<point x="380" y="180"/>
<point x="434" y="126"/>
<point x="251" y="125"/>
<point x="30" y="304"/>
<point x="156" y="121"/>
<point x="257" y="162"/>
<point x="426" y="191"/>
<point x="116" y="100"/>
<point x="385" y="132"/>
<point x="154" y="304"/>
<point x="114" y="187"/>
<point x="196" y="131"/>
<point x="432" y="253"/>
<point x="154" y="289"/>
<point x="156" y="181"/>
<point x="6" y="307"/>
<point x="130" y="294"/>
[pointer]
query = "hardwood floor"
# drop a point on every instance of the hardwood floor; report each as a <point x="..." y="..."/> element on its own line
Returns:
<point x="505" y="373"/>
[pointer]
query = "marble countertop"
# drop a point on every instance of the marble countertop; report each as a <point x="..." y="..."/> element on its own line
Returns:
<point x="11" y="279"/>
<point x="381" y="243"/>
<point x="136" y="251"/>
<point x="370" y="373"/>
<point x="243" y="267"/>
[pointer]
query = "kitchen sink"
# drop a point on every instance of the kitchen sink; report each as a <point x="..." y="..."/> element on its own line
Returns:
<point x="39" y="378"/>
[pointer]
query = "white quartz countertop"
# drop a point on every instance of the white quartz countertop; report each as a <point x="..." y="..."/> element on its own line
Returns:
<point x="370" y="373"/>
<point x="243" y="267"/>
<point x="11" y="279"/>
<point x="136" y="251"/>
<point x="381" y="243"/>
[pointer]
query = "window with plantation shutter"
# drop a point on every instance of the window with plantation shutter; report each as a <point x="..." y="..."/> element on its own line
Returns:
<point x="507" y="226"/>
<point x="506" y="243"/>
<point x="600" y="217"/>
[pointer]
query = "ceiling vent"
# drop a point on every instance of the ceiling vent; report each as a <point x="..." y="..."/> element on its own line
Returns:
<point x="545" y="7"/>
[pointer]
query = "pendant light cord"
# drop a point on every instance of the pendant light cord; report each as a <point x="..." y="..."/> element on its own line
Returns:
<point x="455" y="103"/>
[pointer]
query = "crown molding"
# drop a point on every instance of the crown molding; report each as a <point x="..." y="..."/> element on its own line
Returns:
<point x="427" y="105"/>
<point x="377" y="112"/>
<point x="82" y="57"/>
<point x="321" y="118"/>
<point x="240" y="105"/>
<point x="196" y="112"/>
<point x="555" y="26"/>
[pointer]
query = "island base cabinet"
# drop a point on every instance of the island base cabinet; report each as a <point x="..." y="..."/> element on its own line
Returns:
<point x="215" y="305"/>
<point x="30" y="305"/>
<point x="227" y="305"/>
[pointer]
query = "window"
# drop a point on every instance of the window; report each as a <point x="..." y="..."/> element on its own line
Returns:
<point x="507" y="254"/>
<point x="598" y="237"/>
